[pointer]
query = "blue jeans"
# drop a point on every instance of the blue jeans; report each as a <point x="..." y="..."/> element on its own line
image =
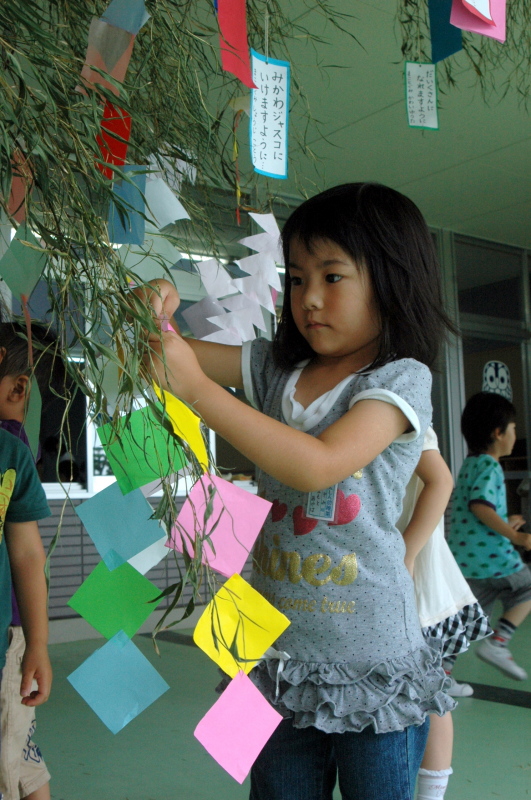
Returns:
<point x="302" y="764"/>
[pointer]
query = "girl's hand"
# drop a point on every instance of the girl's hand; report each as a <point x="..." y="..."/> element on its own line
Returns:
<point x="516" y="521"/>
<point x="163" y="298"/>
<point x="181" y="373"/>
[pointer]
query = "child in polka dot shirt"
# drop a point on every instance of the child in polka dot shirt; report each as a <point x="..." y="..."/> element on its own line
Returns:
<point x="482" y="536"/>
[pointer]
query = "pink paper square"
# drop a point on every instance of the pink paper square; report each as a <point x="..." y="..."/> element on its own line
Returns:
<point x="234" y="525"/>
<point x="237" y="727"/>
<point x="467" y="21"/>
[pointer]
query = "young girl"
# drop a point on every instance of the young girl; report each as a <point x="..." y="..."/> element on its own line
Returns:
<point x="450" y="615"/>
<point x="341" y="404"/>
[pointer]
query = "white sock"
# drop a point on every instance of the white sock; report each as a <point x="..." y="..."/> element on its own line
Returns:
<point x="431" y="784"/>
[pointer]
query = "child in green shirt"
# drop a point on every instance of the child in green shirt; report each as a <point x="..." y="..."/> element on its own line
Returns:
<point x="482" y="536"/>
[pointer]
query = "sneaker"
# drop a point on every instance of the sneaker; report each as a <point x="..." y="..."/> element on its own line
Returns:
<point x="501" y="658"/>
<point x="459" y="689"/>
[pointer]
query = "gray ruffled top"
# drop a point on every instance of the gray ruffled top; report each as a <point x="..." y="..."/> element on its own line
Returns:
<point x="357" y="656"/>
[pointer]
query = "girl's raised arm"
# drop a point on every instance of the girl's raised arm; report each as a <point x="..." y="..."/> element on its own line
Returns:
<point x="295" y="458"/>
<point x="221" y="362"/>
<point x="431" y="503"/>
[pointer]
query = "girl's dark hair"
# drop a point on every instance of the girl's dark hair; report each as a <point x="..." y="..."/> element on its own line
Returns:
<point x="383" y="230"/>
<point x="48" y="367"/>
<point x="483" y="414"/>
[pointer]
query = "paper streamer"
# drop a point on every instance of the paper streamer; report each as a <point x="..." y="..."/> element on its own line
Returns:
<point x="270" y="115"/>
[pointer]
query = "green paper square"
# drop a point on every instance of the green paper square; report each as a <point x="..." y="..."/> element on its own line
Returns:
<point x="22" y="266"/>
<point x="140" y="449"/>
<point x="114" y="601"/>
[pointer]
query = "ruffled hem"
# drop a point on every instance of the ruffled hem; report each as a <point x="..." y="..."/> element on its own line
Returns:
<point x="337" y="698"/>
<point x="455" y="633"/>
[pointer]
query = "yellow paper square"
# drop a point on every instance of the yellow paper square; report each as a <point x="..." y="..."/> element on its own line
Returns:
<point x="185" y="423"/>
<point x="238" y="617"/>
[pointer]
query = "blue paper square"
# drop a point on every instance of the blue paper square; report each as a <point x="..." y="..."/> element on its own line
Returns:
<point x="118" y="524"/>
<point x="118" y="682"/>
<point x="127" y="225"/>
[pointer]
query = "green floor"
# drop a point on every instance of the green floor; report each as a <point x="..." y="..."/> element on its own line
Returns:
<point x="156" y="756"/>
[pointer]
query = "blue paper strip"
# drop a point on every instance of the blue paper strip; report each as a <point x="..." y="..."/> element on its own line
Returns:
<point x="118" y="682"/>
<point x="446" y="39"/>
<point x="127" y="225"/>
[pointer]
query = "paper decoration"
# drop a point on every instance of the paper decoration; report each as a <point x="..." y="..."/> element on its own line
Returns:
<point x="126" y="223"/>
<point x="231" y="530"/>
<point x="229" y="336"/>
<point x="269" y="116"/>
<point x="446" y="39"/>
<point x="238" y="626"/>
<point x="32" y="418"/>
<point x="115" y="127"/>
<point x="248" y="304"/>
<point x="109" y="49"/>
<point x="481" y="8"/>
<point x="186" y="424"/>
<point x="462" y="18"/>
<point x="215" y="278"/>
<point x="233" y="39"/>
<point x="257" y="286"/>
<point x="196" y="317"/>
<point x="23" y="262"/>
<point x="421" y="95"/>
<point x="22" y="178"/>
<point x="497" y="379"/>
<point x="237" y="727"/>
<point x="268" y="242"/>
<point x="115" y="601"/>
<point x="118" y="682"/>
<point x="130" y="15"/>
<point x="119" y="525"/>
<point x="151" y="259"/>
<point x="150" y="557"/>
<point x="140" y="450"/>
<point x="236" y="321"/>
<point x="163" y="207"/>
<point x="263" y="263"/>
<point x="174" y="170"/>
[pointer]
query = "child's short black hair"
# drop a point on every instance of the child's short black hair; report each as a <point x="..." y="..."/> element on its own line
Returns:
<point x="48" y="367"/>
<point x="483" y="414"/>
<point x="384" y="231"/>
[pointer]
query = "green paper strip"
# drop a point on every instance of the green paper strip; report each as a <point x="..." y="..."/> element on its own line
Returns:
<point x="22" y="266"/>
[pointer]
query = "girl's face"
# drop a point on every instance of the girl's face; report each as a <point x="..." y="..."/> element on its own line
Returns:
<point x="332" y="302"/>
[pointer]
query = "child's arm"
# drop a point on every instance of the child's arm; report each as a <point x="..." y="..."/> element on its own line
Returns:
<point x="27" y="559"/>
<point x="295" y="458"/>
<point x="492" y="520"/>
<point x="221" y="362"/>
<point x="430" y="505"/>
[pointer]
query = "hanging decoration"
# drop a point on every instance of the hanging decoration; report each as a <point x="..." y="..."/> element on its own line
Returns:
<point x="466" y="15"/>
<point x="499" y="57"/>
<point x="269" y="115"/>
<point x="446" y="39"/>
<point x="233" y="39"/>
<point x="421" y="95"/>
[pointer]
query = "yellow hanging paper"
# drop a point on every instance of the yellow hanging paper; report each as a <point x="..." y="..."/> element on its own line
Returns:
<point x="238" y="623"/>
<point x="185" y="423"/>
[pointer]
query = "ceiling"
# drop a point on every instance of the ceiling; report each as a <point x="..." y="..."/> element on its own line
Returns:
<point x="470" y="176"/>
